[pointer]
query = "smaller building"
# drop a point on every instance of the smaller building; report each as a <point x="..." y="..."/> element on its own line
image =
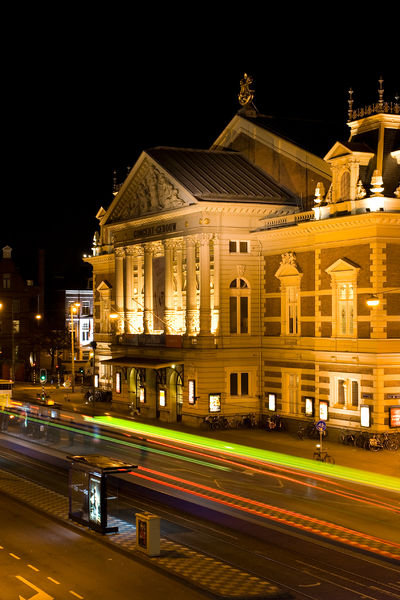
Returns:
<point x="20" y="314"/>
<point x="81" y="321"/>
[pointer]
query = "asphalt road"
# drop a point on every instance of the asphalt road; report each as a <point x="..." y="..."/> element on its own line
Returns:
<point x="307" y="568"/>
<point x="43" y="560"/>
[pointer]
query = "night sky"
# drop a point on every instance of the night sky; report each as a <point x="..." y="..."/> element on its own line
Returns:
<point x="79" y="105"/>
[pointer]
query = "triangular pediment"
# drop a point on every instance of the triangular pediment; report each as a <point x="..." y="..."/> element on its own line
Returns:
<point x="148" y="189"/>
<point x="104" y="286"/>
<point x="342" y="265"/>
<point x="337" y="151"/>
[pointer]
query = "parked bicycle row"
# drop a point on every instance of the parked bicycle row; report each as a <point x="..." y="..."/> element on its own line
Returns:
<point x="267" y="422"/>
<point x="370" y="441"/>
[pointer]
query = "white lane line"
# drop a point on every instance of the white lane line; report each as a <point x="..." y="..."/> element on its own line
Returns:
<point x="33" y="568"/>
<point x="76" y="595"/>
<point x="53" y="580"/>
<point x="14" y="556"/>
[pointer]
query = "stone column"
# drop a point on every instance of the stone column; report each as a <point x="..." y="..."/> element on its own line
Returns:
<point x="216" y="280"/>
<point x="119" y="280"/>
<point x="148" y="289"/>
<point x="169" y="312"/>
<point x="191" y="307"/>
<point x="205" y="303"/>
<point x="129" y="279"/>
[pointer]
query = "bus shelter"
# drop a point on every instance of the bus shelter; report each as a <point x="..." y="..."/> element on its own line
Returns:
<point x="88" y="495"/>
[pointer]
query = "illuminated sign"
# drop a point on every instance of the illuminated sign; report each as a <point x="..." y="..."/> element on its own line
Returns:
<point x="214" y="402"/>
<point x="309" y="408"/>
<point x="96" y="381"/>
<point x="191" y="391"/>
<point x="142" y="395"/>
<point x="95" y="500"/>
<point x="162" y="398"/>
<point x="118" y="382"/>
<point x="271" y="401"/>
<point x="365" y="416"/>
<point x="394" y="416"/>
<point x="323" y="410"/>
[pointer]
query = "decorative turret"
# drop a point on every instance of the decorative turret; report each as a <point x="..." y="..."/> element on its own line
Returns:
<point x="366" y="168"/>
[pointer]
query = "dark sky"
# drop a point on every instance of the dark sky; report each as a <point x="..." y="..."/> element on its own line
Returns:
<point x="80" y="103"/>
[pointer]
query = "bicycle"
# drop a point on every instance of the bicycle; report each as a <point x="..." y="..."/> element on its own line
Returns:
<point x="389" y="441"/>
<point x="323" y="456"/>
<point x="374" y="443"/>
<point x="348" y="438"/>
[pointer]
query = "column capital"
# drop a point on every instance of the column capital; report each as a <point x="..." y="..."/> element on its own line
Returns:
<point x="119" y="252"/>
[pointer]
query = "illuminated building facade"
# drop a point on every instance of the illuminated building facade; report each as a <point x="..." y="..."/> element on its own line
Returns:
<point x="238" y="276"/>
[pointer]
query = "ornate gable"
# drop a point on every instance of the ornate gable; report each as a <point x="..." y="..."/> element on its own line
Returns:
<point x="148" y="190"/>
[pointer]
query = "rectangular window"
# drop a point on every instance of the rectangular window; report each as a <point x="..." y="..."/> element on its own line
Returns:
<point x="239" y="384"/>
<point x="234" y="384"/>
<point x="6" y="281"/>
<point x="239" y="246"/>
<point x="291" y="392"/>
<point x="233" y="314"/>
<point x="347" y="393"/>
<point x="85" y="307"/>
<point x="292" y="304"/>
<point x="346" y="309"/>
<point x="244" y="384"/>
<point x="244" y="314"/>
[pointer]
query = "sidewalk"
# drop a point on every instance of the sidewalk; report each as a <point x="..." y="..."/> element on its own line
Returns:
<point x="382" y="462"/>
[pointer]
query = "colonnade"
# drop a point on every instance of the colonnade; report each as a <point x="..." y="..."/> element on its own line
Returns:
<point x="191" y="285"/>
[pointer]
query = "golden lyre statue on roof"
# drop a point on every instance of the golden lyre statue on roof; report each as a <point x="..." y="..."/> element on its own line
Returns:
<point x="246" y="94"/>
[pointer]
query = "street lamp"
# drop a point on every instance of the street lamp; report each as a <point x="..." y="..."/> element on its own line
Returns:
<point x="74" y="309"/>
<point x="374" y="299"/>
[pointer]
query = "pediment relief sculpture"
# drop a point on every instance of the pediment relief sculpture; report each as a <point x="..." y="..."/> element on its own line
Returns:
<point x="149" y="191"/>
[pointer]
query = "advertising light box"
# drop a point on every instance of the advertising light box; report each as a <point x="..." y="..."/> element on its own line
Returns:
<point x="394" y="416"/>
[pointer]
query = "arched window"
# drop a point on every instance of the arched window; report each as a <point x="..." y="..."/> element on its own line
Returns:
<point x="239" y="306"/>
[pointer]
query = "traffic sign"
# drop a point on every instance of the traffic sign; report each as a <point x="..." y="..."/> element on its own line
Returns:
<point x="320" y="426"/>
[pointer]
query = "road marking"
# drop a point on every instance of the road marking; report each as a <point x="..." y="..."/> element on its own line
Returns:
<point x="53" y="580"/>
<point x="33" y="568"/>
<point x="40" y="595"/>
<point x="76" y="595"/>
<point x="14" y="556"/>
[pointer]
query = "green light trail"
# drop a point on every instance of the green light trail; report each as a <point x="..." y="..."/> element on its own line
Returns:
<point x="341" y="472"/>
<point x="130" y="444"/>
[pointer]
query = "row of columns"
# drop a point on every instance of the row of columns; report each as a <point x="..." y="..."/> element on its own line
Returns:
<point x="198" y="318"/>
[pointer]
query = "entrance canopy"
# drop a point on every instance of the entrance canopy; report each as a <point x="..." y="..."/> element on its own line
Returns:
<point x="140" y="362"/>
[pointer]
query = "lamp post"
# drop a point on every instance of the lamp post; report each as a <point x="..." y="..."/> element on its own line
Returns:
<point x="74" y="309"/>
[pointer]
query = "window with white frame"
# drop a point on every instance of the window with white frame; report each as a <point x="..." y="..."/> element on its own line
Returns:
<point x="345" y="303"/>
<point x="85" y="332"/>
<point x="85" y="310"/>
<point x="292" y="310"/>
<point x="291" y="391"/>
<point x="240" y="246"/>
<point x="346" y="391"/>
<point x="239" y="306"/>
<point x="239" y="384"/>
<point x="344" y="298"/>
<point x="289" y="276"/>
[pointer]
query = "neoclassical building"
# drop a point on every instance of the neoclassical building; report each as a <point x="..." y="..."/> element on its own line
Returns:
<point x="235" y="279"/>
